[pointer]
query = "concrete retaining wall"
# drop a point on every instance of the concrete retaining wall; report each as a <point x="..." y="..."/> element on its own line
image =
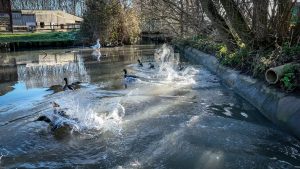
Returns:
<point x="279" y="107"/>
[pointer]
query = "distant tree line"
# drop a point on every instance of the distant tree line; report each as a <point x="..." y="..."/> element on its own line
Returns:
<point x="256" y="23"/>
<point x="75" y="7"/>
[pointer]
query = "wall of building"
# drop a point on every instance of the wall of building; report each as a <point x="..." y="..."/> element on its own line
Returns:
<point x="52" y="17"/>
<point x="4" y="21"/>
<point x="43" y="20"/>
<point x="23" y="20"/>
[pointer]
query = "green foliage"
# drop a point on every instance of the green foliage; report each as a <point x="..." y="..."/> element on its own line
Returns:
<point x="288" y="50"/>
<point x="199" y="42"/>
<point x="254" y="62"/>
<point x="223" y="51"/>
<point x="289" y="81"/>
<point x="237" y="59"/>
<point x="260" y="63"/>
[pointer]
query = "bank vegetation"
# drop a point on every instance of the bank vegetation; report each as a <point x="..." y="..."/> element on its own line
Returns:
<point x="248" y="35"/>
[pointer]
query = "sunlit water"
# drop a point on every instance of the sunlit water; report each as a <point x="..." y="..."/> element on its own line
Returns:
<point x="166" y="119"/>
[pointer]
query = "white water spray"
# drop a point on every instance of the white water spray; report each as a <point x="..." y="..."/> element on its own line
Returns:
<point x="86" y="112"/>
<point x="168" y="62"/>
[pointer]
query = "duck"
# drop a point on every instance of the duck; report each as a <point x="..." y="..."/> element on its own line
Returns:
<point x="129" y="76"/>
<point x="58" y="123"/>
<point x="67" y="86"/>
<point x="151" y="66"/>
<point x="128" y="79"/>
<point x="140" y="63"/>
<point x="73" y="86"/>
<point x="97" y="45"/>
<point x="60" y="119"/>
<point x="60" y="88"/>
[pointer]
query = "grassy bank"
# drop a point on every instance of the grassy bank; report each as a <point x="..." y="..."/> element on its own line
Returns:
<point x="251" y="62"/>
<point x="38" y="37"/>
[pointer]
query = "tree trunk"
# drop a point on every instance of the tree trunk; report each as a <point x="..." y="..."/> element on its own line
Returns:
<point x="283" y="19"/>
<point x="218" y="22"/>
<point x="181" y="20"/>
<point x="260" y="22"/>
<point x="237" y="21"/>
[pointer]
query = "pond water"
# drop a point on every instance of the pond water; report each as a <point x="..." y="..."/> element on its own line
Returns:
<point x="168" y="118"/>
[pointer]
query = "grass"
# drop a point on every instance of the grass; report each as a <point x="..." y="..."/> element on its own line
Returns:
<point x="38" y="37"/>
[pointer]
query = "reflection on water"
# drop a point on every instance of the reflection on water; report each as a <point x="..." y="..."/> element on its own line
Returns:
<point x="20" y="95"/>
<point x="8" y="74"/>
<point x="42" y="71"/>
<point x="52" y="69"/>
<point x="8" y="71"/>
<point x="97" y="55"/>
<point x="172" y="117"/>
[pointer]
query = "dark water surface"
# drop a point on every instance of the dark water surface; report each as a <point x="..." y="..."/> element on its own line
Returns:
<point x="167" y="119"/>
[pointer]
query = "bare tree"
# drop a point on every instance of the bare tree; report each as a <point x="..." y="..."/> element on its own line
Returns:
<point x="66" y="5"/>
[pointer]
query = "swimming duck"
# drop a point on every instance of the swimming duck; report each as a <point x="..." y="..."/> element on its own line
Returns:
<point x="60" y="119"/>
<point x="60" y="88"/>
<point x="67" y="86"/>
<point x="97" y="46"/>
<point x="140" y="63"/>
<point x="72" y="86"/>
<point x="129" y="76"/>
<point x="151" y="66"/>
<point x="57" y="123"/>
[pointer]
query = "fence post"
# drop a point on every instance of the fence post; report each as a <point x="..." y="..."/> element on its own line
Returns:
<point x="10" y="16"/>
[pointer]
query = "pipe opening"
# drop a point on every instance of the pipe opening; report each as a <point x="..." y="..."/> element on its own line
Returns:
<point x="271" y="76"/>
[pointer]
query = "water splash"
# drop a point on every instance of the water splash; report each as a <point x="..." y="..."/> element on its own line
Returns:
<point x="165" y="55"/>
<point x="165" y="58"/>
<point x="88" y="113"/>
<point x="168" y="69"/>
<point x="104" y="120"/>
<point x="169" y="66"/>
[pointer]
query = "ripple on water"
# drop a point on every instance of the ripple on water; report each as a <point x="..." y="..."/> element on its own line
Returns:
<point x="168" y="119"/>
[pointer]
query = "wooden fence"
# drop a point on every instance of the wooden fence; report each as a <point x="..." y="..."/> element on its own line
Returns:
<point x="41" y="28"/>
